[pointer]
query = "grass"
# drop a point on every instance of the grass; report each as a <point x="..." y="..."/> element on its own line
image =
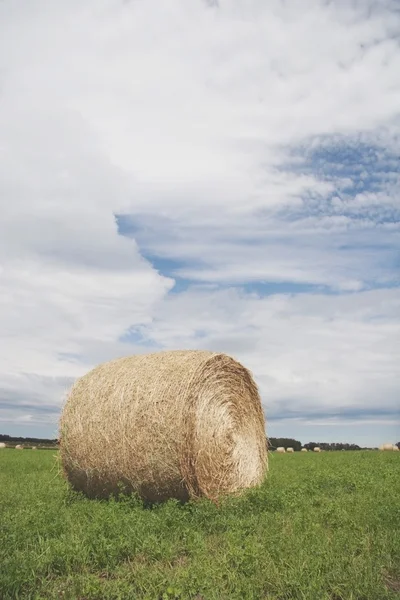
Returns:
<point x="322" y="527"/>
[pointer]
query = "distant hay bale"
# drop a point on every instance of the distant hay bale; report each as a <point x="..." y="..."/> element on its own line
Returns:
<point x="179" y="424"/>
<point x="304" y="450"/>
<point x="289" y="450"/>
<point x="395" y="448"/>
<point x="316" y="449"/>
<point x="34" y="447"/>
<point x="388" y="447"/>
<point x="2" y="445"/>
<point x="281" y="450"/>
<point x="19" y="447"/>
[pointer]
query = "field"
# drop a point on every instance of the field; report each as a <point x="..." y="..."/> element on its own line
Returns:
<point x="322" y="527"/>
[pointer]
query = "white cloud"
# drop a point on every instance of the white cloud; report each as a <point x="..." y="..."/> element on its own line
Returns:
<point x="325" y="250"/>
<point x="310" y="353"/>
<point x="200" y="123"/>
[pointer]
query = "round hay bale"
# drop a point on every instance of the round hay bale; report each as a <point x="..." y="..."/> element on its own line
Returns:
<point x="304" y="450"/>
<point x="2" y="445"/>
<point x="316" y="449"/>
<point x="395" y="448"/>
<point x="179" y="424"/>
<point x="34" y="447"/>
<point x="281" y="450"/>
<point x="19" y="447"/>
<point x="290" y="450"/>
<point x="388" y="447"/>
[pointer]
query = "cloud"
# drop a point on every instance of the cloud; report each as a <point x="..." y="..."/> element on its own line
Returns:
<point x="313" y="355"/>
<point x="325" y="250"/>
<point x="202" y="173"/>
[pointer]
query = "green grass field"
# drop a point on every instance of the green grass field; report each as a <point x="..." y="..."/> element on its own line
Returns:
<point x="322" y="527"/>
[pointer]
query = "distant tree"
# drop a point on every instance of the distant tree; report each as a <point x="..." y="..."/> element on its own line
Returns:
<point x="311" y="445"/>
<point x="275" y="443"/>
<point x="331" y="446"/>
<point x="9" y="438"/>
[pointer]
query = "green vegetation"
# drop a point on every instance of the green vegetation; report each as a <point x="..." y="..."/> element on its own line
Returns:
<point x="322" y="527"/>
<point x="11" y="441"/>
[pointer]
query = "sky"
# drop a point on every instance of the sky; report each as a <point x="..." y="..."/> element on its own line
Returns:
<point x="219" y="175"/>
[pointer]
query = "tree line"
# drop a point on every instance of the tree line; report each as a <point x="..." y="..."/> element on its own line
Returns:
<point x="27" y="440"/>
<point x="332" y="446"/>
<point x="274" y="443"/>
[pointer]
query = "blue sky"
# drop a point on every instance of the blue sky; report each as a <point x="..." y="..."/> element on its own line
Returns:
<point x="204" y="175"/>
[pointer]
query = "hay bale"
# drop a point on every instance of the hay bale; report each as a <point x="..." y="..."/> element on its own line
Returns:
<point x="180" y="424"/>
<point x="19" y="447"/>
<point x="281" y="450"/>
<point x="395" y="448"/>
<point x="34" y="447"/>
<point x="388" y="447"/>
<point x="304" y="450"/>
<point x="2" y="445"/>
<point x="317" y="449"/>
<point x="290" y="450"/>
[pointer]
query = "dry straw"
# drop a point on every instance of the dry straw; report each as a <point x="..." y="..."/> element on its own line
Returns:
<point x="289" y="450"/>
<point x="281" y="450"/>
<point x="2" y="445"/>
<point x="176" y="424"/>
<point x="316" y="449"/>
<point x="388" y="446"/>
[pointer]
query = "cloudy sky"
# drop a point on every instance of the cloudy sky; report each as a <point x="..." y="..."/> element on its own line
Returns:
<point x="204" y="174"/>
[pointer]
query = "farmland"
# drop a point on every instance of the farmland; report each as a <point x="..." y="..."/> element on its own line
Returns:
<point x="322" y="527"/>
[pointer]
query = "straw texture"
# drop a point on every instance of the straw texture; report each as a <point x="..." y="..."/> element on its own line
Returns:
<point x="176" y="424"/>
